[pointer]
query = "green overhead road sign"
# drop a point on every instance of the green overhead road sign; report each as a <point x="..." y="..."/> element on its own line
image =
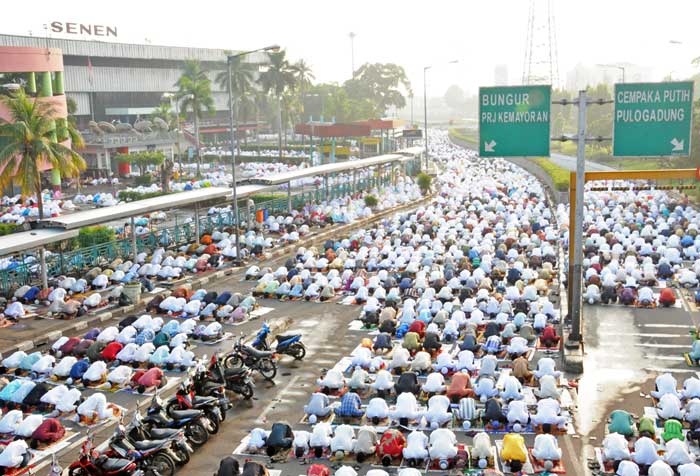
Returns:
<point x="514" y="121"/>
<point x="652" y="119"/>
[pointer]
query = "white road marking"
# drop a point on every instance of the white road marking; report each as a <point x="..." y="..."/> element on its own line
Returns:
<point x="668" y="326"/>
<point x="276" y="400"/>
<point x="645" y="334"/>
<point x="660" y="346"/>
<point x="665" y="370"/>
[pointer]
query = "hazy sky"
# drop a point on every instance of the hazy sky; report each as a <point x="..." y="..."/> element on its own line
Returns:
<point x="479" y="33"/>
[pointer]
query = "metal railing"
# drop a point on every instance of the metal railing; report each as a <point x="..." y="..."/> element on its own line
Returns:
<point x="27" y="270"/>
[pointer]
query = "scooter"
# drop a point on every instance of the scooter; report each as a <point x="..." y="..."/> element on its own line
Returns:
<point x="181" y="449"/>
<point x="155" y="456"/>
<point x="238" y="380"/>
<point x="286" y="344"/>
<point x="245" y="355"/>
<point x="185" y="399"/>
<point x="205" y="385"/>
<point x="196" y="425"/>
<point x="90" y="462"/>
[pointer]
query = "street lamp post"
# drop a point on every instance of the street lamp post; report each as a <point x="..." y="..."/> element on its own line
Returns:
<point x="174" y="104"/>
<point x="234" y="144"/>
<point x="352" y="36"/>
<point x="620" y="67"/>
<point x="425" y="109"/>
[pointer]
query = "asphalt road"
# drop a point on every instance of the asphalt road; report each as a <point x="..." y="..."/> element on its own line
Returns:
<point x="626" y="348"/>
<point x="569" y="163"/>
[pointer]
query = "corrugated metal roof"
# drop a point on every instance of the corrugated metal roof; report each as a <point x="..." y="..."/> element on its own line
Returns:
<point x="112" y="79"/>
<point x="119" y="50"/>
<point x="164" y="202"/>
<point x="326" y="169"/>
<point x="28" y="240"/>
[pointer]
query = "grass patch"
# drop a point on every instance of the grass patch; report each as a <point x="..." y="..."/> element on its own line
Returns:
<point x="464" y="135"/>
<point x="559" y="175"/>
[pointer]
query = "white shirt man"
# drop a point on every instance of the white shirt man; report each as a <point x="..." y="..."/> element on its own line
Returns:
<point x="546" y="448"/>
<point x="443" y="444"/>
<point x="416" y="446"/>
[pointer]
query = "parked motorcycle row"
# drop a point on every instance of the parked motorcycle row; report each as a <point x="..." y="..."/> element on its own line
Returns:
<point x="163" y="439"/>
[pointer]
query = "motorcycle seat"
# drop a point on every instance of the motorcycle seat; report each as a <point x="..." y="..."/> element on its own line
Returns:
<point x="182" y="414"/>
<point x="235" y="371"/>
<point x="257" y="353"/>
<point x="163" y="433"/>
<point x="113" y="464"/>
<point x="284" y="338"/>
<point x="148" y="444"/>
<point x="198" y="400"/>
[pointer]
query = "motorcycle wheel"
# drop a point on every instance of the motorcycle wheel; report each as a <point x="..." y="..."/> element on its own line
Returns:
<point x="233" y="362"/>
<point x="172" y="405"/>
<point x="182" y="455"/>
<point x="77" y="471"/>
<point x="298" y="351"/>
<point x="267" y="369"/>
<point x="223" y="412"/>
<point x="196" y="433"/>
<point x="246" y="391"/>
<point x="215" y="421"/>
<point x="160" y="465"/>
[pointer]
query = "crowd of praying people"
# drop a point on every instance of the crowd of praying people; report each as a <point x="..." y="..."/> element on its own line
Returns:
<point x="457" y="296"/>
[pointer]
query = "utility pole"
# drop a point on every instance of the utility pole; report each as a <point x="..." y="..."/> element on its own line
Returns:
<point x="576" y="235"/>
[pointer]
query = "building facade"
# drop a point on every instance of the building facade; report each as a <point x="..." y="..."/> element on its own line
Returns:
<point x="121" y="81"/>
<point x="44" y="70"/>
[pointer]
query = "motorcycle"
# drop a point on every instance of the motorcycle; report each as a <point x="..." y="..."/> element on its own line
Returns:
<point x="196" y="425"/>
<point x="286" y="344"/>
<point x="154" y="456"/>
<point x="238" y="380"/>
<point x="185" y="399"/>
<point x="181" y="448"/>
<point x="205" y="384"/>
<point x="245" y="355"/>
<point x="91" y="463"/>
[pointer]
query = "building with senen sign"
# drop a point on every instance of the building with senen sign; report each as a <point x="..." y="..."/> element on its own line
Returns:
<point x="122" y="81"/>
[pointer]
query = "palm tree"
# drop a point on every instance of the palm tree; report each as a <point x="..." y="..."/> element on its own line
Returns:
<point x="28" y="143"/>
<point x="242" y="76"/>
<point x="194" y="89"/>
<point x="304" y="76"/>
<point x="276" y="80"/>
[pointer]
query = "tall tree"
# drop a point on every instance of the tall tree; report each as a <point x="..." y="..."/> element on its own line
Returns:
<point x="278" y="78"/>
<point x="28" y="143"/>
<point x="194" y="90"/>
<point x="454" y="97"/>
<point x="382" y="83"/>
<point x="304" y="76"/>
<point x="242" y="77"/>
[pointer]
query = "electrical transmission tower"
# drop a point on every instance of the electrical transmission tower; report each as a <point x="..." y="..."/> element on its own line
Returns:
<point x="541" y="63"/>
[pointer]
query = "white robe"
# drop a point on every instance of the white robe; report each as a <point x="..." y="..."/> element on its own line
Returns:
<point x="13" y="454"/>
<point x="546" y="448"/>
<point x="443" y="444"/>
<point x="416" y="446"/>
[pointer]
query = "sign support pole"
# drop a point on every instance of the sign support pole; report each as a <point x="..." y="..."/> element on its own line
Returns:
<point x="576" y="238"/>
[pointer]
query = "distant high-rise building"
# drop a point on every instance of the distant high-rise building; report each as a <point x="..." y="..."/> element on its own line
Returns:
<point x="500" y="75"/>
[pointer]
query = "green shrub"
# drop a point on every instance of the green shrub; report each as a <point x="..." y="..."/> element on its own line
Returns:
<point x="464" y="135"/>
<point x="143" y="180"/>
<point x="132" y="195"/>
<point x="371" y="201"/>
<point x="94" y="235"/>
<point x="559" y="175"/>
<point x="424" y="182"/>
<point x="266" y="197"/>
<point x="7" y="228"/>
